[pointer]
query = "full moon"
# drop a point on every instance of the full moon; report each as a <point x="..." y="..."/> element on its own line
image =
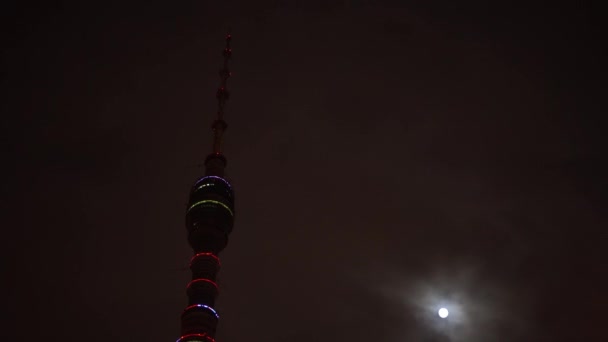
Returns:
<point x="443" y="312"/>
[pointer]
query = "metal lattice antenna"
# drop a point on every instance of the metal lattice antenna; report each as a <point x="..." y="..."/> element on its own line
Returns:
<point x="219" y="125"/>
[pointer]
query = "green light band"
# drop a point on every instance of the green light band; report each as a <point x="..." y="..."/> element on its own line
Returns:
<point x="202" y="186"/>
<point x="206" y="185"/>
<point x="211" y="201"/>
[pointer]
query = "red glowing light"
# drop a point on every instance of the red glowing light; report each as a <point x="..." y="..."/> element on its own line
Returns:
<point x="217" y="260"/>
<point x="203" y="281"/>
<point x="205" y="336"/>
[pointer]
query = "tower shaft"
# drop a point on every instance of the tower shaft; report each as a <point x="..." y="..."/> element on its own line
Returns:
<point x="209" y="221"/>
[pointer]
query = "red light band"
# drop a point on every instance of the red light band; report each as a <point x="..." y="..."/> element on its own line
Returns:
<point x="205" y="336"/>
<point x="202" y="280"/>
<point x="206" y="254"/>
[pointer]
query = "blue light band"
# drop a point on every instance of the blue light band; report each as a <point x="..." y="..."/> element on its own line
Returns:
<point x="204" y="307"/>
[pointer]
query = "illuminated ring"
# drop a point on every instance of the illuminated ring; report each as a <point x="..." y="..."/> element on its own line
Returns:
<point x="202" y="280"/>
<point x="217" y="260"/>
<point x="211" y="201"/>
<point x="205" y="336"/>
<point x="212" y="310"/>
<point x="214" y="177"/>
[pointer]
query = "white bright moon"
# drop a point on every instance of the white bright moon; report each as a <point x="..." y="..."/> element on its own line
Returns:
<point x="443" y="313"/>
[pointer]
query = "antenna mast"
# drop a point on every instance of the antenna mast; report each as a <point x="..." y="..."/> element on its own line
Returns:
<point x="219" y="125"/>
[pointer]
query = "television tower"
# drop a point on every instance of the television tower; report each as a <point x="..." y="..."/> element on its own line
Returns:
<point x="209" y="221"/>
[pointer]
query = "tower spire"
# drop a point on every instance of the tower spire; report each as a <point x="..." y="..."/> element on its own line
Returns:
<point x="219" y="125"/>
<point x="216" y="162"/>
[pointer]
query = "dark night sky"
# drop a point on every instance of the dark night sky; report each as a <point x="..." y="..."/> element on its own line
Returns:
<point x="388" y="158"/>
